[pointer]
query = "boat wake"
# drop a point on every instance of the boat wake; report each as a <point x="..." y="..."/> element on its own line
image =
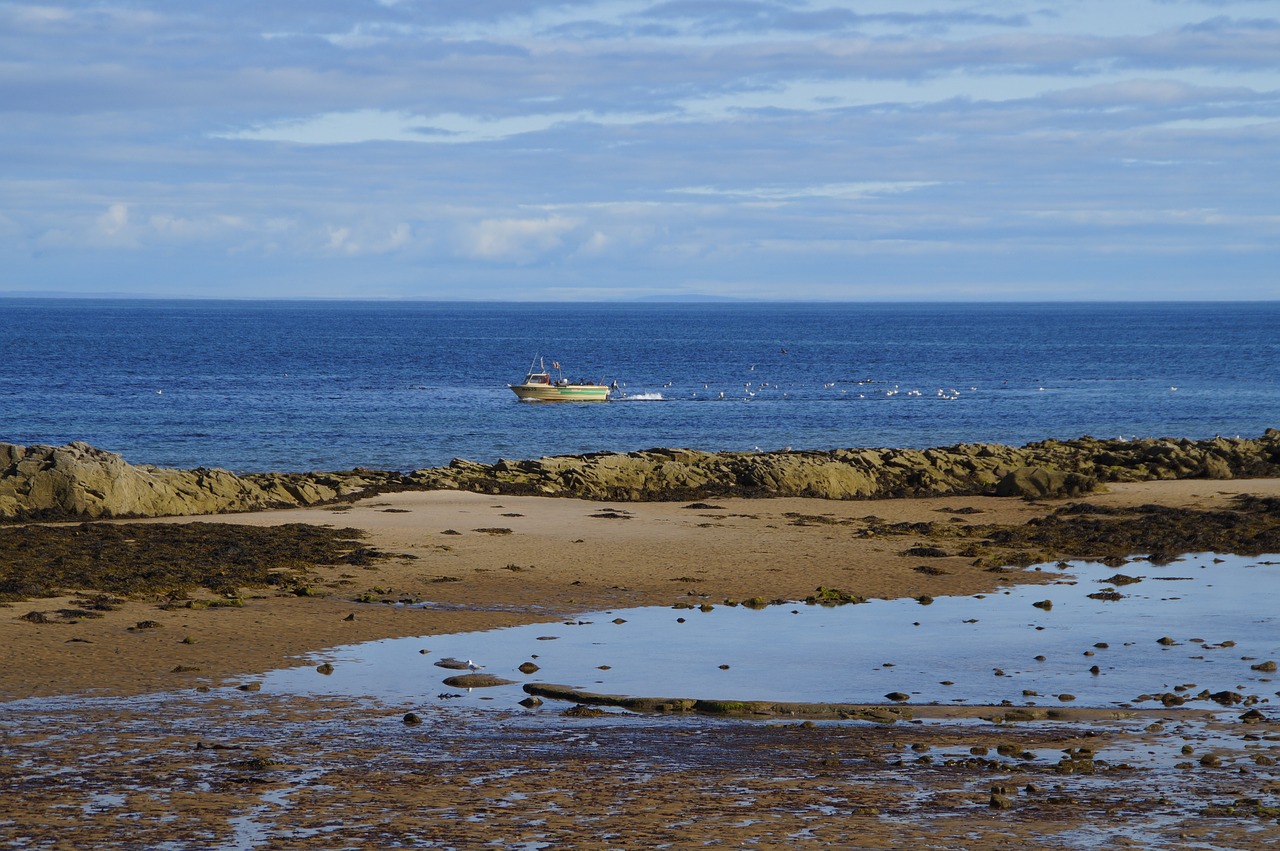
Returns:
<point x="644" y="397"/>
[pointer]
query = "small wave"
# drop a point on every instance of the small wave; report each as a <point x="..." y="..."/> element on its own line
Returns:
<point x="645" y="397"/>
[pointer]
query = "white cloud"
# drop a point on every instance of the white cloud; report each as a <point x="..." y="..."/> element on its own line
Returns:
<point x="372" y="239"/>
<point x="371" y="125"/>
<point x="519" y="241"/>
<point x="844" y="191"/>
<point x="114" y="220"/>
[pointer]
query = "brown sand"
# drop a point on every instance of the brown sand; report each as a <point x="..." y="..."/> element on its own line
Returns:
<point x="241" y="769"/>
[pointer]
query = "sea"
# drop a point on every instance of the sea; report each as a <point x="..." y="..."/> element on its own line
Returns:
<point x="254" y="386"/>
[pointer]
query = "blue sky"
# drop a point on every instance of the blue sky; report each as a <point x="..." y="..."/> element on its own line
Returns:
<point x="778" y="149"/>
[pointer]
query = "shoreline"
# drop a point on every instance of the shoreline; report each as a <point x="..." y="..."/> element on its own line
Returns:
<point x="493" y="561"/>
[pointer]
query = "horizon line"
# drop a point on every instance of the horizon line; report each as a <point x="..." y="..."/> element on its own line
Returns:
<point x="689" y="299"/>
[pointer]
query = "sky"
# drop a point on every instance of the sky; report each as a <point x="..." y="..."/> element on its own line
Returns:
<point x="564" y="150"/>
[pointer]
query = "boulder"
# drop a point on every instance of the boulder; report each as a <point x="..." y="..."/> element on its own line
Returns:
<point x="1040" y="482"/>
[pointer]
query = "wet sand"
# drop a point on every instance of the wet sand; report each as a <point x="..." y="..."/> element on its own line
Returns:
<point x="540" y="559"/>
<point x="250" y="768"/>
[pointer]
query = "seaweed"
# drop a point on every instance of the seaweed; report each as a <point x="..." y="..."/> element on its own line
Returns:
<point x="162" y="560"/>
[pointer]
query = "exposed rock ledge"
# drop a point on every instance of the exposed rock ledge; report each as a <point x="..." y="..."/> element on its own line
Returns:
<point x="78" y="481"/>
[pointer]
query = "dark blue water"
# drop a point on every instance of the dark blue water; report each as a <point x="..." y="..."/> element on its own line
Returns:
<point x="331" y="385"/>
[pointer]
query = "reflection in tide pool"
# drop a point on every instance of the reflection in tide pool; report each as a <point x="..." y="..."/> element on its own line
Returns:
<point x="1215" y="614"/>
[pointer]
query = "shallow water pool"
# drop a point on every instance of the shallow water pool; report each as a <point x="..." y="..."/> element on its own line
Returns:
<point x="1216" y="615"/>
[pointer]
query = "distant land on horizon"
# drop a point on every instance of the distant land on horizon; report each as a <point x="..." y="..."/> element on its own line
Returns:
<point x="684" y="298"/>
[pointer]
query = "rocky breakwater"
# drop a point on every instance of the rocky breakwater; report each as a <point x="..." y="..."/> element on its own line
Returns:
<point x="1050" y="468"/>
<point x="80" y="482"/>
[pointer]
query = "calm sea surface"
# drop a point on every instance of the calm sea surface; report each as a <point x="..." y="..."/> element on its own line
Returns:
<point x="253" y="386"/>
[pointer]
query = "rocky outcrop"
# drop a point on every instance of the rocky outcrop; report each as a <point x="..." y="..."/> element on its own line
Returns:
<point x="78" y="481"/>
<point x="1049" y="468"/>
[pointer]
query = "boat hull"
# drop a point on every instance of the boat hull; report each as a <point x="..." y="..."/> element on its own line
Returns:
<point x="568" y="393"/>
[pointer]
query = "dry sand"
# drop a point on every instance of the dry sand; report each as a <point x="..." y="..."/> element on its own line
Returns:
<point x="289" y="773"/>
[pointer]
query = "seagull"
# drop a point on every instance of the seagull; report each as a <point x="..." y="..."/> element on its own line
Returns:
<point x="472" y="666"/>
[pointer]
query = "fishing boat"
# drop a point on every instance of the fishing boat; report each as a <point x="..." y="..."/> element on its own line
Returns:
<point x="542" y="385"/>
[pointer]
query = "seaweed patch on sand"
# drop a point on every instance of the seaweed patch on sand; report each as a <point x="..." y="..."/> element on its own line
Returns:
<point x="1250" y="525"/>
<point x="167" y="560"/>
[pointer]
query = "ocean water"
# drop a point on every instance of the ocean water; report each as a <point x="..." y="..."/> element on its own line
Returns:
<point x="299" y="385"/>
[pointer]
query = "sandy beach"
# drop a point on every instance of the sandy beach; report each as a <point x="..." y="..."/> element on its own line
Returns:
<point x="507" y="560"/>
<point x="337" y="773"/>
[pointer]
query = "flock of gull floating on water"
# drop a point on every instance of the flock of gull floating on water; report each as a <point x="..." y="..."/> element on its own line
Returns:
<point x="867" y="388"/>
<point x="864" y="389"/>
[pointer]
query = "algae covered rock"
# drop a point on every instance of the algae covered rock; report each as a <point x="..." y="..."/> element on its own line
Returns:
<point x="1044" y="483"/>
<point x="78" y="481"/>
<point x="81" y="482"/>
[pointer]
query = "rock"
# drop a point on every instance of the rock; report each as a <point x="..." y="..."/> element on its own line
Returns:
<point x="81" y="482"/>
<point x="476" y="681"/>
<point x="1265" y="667"/>
<point x="528" y="668"/>
<point x="1040" y="482"/>
<point x="897" y="696"/>
<point x="451" y="664"/>
<point x="324" y="668"/>
<point x="1000" y="802"/>
<point x="1045" y="469"/>
<point x="78" y="481"/>
<point x="411" y="719"/>
<point x="582" y="711"/>
<point x="531" y="702"/>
